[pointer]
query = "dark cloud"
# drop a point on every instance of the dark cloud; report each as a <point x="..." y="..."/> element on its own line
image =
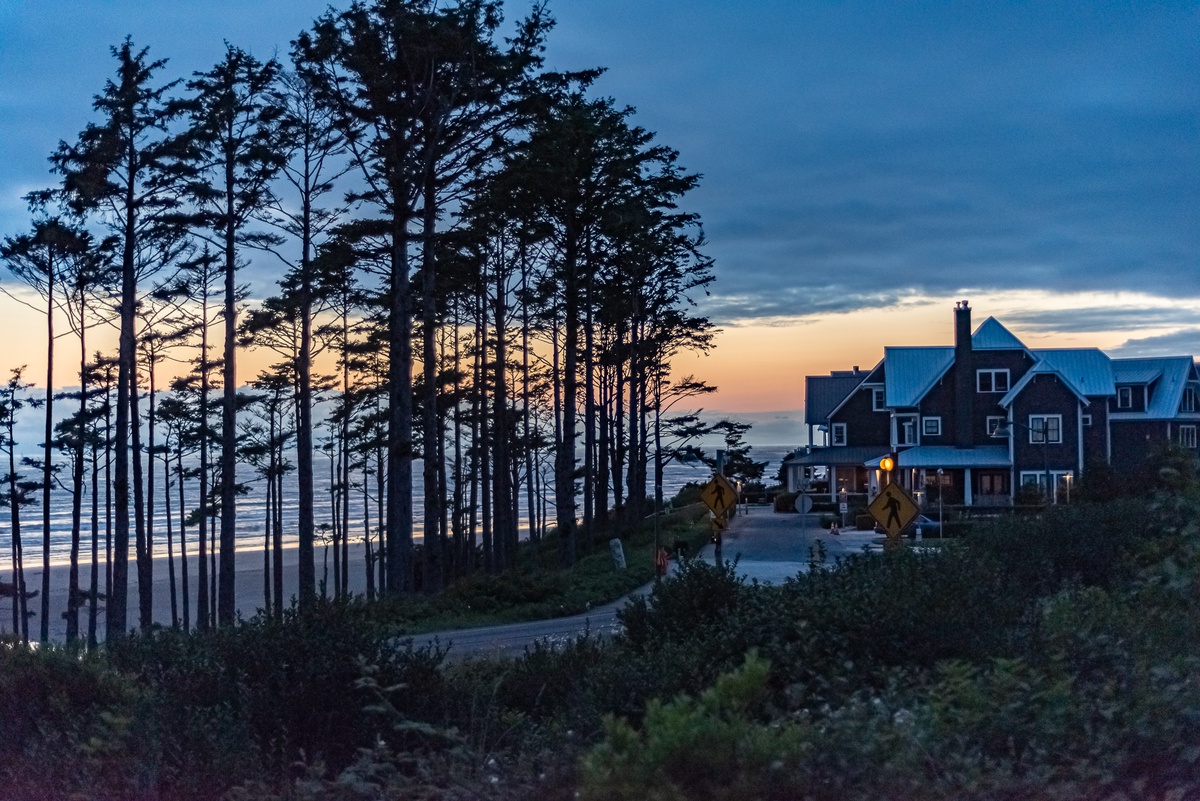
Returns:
<point x="853" y="154"/>
<point x="1178" y="343"/>
<point x="929" y="149"/>
<point x="1102" y="319"/>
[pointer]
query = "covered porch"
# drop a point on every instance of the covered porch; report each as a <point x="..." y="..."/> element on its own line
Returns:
<point x="845" y="468"/>
<point x="980" y="476"/>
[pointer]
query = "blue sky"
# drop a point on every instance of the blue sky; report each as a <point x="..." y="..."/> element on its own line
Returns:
<point x="856" y="155"/>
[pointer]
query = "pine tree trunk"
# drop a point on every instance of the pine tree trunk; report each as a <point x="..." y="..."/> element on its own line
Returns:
<point x="171" y="573"/>
<point x="305" y="525"/>
<point x="47" y="455"/>
<point x="202" y="579"/>
<point x="400" y="446"/>
<point x="73" y="594"/>
<point x="225" y="595"/>
<point x="183" y="565"/>
<point x="434" y="577"/>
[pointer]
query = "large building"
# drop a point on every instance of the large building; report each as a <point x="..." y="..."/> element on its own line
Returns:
<point x="976" y="421"/>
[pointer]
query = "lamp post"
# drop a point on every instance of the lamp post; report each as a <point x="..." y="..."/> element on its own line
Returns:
<point x="1005" y="431"/>
<point x="941" y="494"/>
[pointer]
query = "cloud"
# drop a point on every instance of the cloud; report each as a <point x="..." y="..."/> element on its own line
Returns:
<point x="1177" y="343"/>
<point x="1094" y="319"/>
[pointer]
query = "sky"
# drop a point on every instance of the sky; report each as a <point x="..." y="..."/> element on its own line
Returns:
<point x="864" y="164"/>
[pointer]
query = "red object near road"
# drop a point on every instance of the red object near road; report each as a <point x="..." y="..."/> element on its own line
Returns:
<point x="660" y="561"/>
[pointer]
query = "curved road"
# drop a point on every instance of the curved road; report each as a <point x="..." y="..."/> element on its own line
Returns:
<point x="768" y="547"/>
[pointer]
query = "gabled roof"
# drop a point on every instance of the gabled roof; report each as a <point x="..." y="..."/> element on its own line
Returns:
<point x="912" y="372"/>
<point x="1141" y="373"/>
<point x="1173" y="373"/>
<point x="991" y="335"/>
<point x="1041" y="368"/>
<point x="1087" y="372"/>
<point x="1089" y="369"/>
<point x="824" y="393"/>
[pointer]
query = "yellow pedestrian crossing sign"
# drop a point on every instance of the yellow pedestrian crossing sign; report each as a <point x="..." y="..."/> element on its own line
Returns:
<point x="893" y="508"/>
<point x="719" y="495"/>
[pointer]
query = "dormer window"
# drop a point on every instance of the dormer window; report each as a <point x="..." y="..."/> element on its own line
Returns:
<point x="1124" y="397"/>
<point x="1189" y="403"/>
<point x="991" y="380"/>
<point x="839" y="433"/>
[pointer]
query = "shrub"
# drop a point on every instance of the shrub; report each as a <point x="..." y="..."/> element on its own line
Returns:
<point x="785" y="502"/>
<point x="70" y="727"/>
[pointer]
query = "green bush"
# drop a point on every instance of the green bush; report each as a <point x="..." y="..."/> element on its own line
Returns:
<point x="68" y="725"/>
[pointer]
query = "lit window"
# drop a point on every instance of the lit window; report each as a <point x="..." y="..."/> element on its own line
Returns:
<point x="932" y="426"/>
<point x="991" y="380"/>
<point x="1045" y="429"/>
<point x="1187" y="436"/>
<point x="1124" y="397"/>
<point x="839" y="433"/>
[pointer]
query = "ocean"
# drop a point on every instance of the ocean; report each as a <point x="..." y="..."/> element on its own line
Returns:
<point x="252" y="509"/>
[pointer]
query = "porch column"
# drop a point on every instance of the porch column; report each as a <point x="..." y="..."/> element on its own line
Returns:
<point x="967" y="499"/>
<point x="833" y="487"/>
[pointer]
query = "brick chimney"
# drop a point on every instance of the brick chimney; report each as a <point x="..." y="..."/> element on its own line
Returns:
<point x="964" y="378"/>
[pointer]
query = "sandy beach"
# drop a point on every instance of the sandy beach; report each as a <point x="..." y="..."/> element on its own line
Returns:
<point x="248" y="586"/>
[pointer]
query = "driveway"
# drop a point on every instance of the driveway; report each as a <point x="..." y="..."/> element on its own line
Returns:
<point x="768" y="547"/>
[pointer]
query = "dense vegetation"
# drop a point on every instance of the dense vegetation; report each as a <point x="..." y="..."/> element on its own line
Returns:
<point x="1048" y="657"/>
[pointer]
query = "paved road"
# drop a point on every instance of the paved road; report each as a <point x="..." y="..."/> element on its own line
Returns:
<point x="768" y="547"/>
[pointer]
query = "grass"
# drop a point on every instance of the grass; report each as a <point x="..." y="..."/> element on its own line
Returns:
<point x="541" y="588"/>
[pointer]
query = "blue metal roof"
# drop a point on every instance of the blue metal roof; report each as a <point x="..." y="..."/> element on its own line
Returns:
<point x="1167" y="393"/>
<point x="912" y="372"/>
<point x="931" y="456"/>
<point x="1136" y="371"/>
<point x="841" y="456"/>
<point x="991" y="335"/>
<point x="824" y="393"/>
<point x="1088" y="369"/>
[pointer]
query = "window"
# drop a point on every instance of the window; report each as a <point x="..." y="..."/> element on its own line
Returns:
<point x="991" y="380"/>
<point x="1045" y="429"/>
<point x="839" y="433"/>
<point x="1187" y="436"/>
<point x="993" y="423"/>
<point x="877" y="401"/>
<point x="1124" y="397"/>
<point x="1189" y="404"/>
<point x="906" y="430"/>
<point x="993" y="484"/>
<point x="1087" y="419"/>
<point x="931" y="426"/>
<point x="1060" y="483"/>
